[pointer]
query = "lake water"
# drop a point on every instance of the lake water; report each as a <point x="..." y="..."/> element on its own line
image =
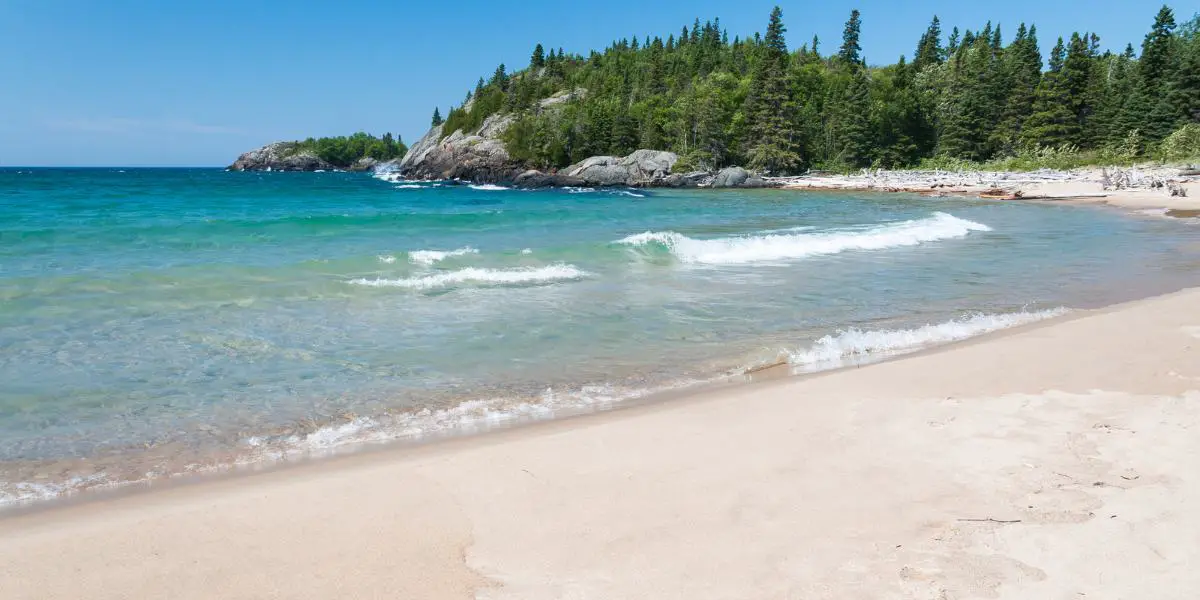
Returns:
<point x="155" y="321"/>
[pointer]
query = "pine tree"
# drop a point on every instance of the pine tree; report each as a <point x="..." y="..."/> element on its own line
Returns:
<point x="857" y="139"/>
<point x="1184" y="92"/>
<point x="929" y="49"/>
<point x="1052" y="122"/>
<point x="972" y="104"/>
<point x="1022" y="65"/>
<point x="1075" y="80"/>
<point x="1154" y="75"/>
<point x="771" y="145"/>
<point x="851" y="52"/>
<point x="953" y="43"/>
<point x="538" y="60"/>
<point x="500" y="78"/>
<point x="437" y="117"/>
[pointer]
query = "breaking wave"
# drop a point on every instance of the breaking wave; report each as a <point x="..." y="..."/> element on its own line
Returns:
<point x="855" y="345"/>
<point x="428" y="257"/>
<point x="488" y="187"/>
<point x="775" y="247"/>
<point x="484" y="277"/>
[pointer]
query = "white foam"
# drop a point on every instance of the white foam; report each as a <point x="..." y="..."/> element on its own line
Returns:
<point x="386" y="259"/>
<point x="467" y="417"/>
<point x="488" y="187"/>
<point x="410" y="186"/>
<point x="852" y="345"/>
<point x="523" y="276"/>
<point x="527" y="251"/>
<point x="776" y="247"/>
<point x="627" y="193"/>
<point x="428" y="257"/>
<point x="579" y="190"/>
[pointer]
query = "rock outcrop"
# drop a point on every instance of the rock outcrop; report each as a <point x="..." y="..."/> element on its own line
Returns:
<point x="644" y="168"/>
<point x="737" y="177"/>
<point x="479" y="157"/>
<point x="365" y="163"/>
<point x="280" y="156"/>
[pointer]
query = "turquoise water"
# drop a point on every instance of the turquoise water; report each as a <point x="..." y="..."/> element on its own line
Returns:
<point x="145" y="312"/>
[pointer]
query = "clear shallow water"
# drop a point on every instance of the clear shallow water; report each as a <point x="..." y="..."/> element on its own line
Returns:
<point x="147" y="313"/>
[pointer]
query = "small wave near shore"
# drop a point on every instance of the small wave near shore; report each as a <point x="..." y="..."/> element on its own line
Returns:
<point x="777" y="247"/>
<point x="482" y="277"/>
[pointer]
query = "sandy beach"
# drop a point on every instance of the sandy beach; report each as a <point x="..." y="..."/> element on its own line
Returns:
<point x="1053" y="461"/>
<point x="1134" y="188"/>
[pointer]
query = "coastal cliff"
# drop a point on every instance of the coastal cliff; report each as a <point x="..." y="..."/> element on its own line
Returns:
<point x="482" y="157"/>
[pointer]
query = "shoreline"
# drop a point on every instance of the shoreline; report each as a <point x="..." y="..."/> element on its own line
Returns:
<point x="238" y="460"/>
<point x="1140" y="188"/>
<point x="465" y="506"/>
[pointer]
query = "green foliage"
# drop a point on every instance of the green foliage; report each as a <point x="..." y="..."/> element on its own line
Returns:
<point x="1183" y="144"/>
<point x="437" y="117"/>
<point x="483" y="104"/>
<point x="752" y="101"/>
<point x="538" y="59"/>
<point x="343" y="151"/>
<point x="770" y="143"/>
<point x="851" y="50"/>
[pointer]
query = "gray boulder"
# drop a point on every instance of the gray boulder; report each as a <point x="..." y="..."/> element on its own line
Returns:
<point x="280" y="156"/>
<point x="642" y="168"/>
<point x="534" y="179"/>
<point x="730" y="177"/>
<point x="737" y="177"/>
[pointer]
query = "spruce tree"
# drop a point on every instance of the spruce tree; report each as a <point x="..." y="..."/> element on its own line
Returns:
<point x="1075" y="80"/>
<point x="929" y="49"/>
<point x="971" y="107"/>
<point x="538" y="60"/>
<point x="1154" y="73"/>
<point x="1052" y="122"/>
<point x="857" y="140"/>
<point x="437" y="117"/>
<point x="500" y="78"/>
<point x="771" y="146"/>
<point x="1022" y="65"/>
<point x="1184" y="92"/>
<point x="851" y="51"/>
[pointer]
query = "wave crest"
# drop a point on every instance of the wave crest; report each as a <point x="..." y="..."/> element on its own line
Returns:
<point x="852" y="345"/>
<point x="485" y="277"/>
<point x="428" y="257"/>
<point x="775" y="247"/>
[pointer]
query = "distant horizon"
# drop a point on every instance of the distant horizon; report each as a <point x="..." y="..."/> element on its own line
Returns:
<point x="152" y="94"/>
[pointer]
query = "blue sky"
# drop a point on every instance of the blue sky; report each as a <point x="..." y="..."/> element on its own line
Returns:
<point x="195" y="83"/>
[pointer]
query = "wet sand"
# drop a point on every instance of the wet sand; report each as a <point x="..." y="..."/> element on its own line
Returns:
<point x="1055" y="461"/>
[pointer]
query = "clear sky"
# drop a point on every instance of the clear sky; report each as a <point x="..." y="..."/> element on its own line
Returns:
<point x="121" y="82"/>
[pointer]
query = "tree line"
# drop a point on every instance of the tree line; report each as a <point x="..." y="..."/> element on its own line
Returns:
<point x="344" y="151"/>
<point x="966" y="96"/>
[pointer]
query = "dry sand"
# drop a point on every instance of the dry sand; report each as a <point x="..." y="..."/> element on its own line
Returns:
<point x="1059" y="461"/>
<point x="1144" y="188"/>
